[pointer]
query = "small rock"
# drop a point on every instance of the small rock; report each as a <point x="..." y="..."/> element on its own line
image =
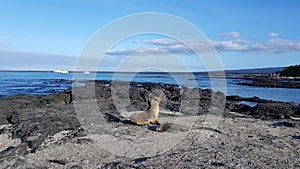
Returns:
<point x="61" y="162"/>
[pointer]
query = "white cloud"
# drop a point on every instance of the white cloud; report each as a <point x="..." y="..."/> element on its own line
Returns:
<point x="228" y="46"/>
<point x="138" y="51"/>
<point x="241" y="41"/>
<point x="163" y="46"/>
<point x="273" y="35"/>
<point x="283" y="45"/>
<point x="161" y="42"/>
<point x="232" y="34"/>
<point x="271" y="46"/>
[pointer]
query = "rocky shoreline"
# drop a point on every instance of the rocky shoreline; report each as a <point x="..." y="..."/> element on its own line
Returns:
<point x="62" y="130"/>
<point x="271" y="82"/>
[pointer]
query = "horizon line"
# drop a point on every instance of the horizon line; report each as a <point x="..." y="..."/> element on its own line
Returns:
<point x="161" y="72"/>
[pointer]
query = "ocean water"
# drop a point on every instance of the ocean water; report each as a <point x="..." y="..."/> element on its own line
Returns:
<point x="43" y="83"/>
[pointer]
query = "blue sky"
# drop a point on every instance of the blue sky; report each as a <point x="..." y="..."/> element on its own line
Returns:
<point x="49" y="34"/>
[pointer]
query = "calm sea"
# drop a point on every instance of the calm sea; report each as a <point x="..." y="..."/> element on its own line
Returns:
<point x="42" y="83"/>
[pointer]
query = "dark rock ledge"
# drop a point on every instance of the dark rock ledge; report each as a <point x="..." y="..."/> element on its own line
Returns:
<point x="271" y="82"/>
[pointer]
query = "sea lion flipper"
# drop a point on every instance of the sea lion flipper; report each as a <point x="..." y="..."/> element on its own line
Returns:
<point x="144" y="122"/>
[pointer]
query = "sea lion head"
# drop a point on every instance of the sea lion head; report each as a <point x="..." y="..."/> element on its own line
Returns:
<point x="156" y="100"/>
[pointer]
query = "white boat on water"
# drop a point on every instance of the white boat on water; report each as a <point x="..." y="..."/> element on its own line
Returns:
<point x="86" y="72"/>
<point x="60" y="71"/>
<point x="64" y="71"/>
<point x="57" y="71"/>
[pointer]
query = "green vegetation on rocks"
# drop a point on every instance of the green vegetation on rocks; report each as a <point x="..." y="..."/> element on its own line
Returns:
<point x="291" y="71"/>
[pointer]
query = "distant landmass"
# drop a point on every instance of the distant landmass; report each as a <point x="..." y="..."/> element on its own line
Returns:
<point x="255" y="70"/>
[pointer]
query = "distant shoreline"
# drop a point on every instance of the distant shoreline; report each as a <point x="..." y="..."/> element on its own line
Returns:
<point x="214" y="74"/>
<point x="239" y="72"/>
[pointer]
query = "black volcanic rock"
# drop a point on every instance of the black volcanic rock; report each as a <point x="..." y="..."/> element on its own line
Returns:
<point x="51" y="136"/>
<point x="271" y="82"/>
<point x="275" y="110"/>
<point x="33" y="126"/>
<point x="35" y="118"/>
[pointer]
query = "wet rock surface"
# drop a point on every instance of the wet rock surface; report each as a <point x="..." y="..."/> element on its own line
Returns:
<point x="49" y="131"/>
